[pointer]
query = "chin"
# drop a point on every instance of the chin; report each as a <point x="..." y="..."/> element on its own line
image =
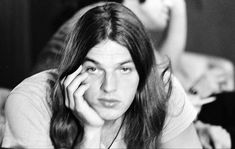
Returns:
<point x="109" y="116"/>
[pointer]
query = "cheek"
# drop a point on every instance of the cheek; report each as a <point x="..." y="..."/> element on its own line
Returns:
<point x="93" y="91"/>
<point x="129" y="88"/>
<point x="91" y="94"/>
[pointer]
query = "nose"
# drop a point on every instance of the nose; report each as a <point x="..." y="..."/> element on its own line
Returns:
<point x="109" y="83"/>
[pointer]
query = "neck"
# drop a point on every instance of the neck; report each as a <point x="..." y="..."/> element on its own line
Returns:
<point x="110" y="130"/>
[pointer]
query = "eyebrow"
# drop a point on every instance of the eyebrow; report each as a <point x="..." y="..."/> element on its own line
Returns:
<point x="97" y="63"/>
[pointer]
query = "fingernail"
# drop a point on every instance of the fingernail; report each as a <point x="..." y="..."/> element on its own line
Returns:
<point x="62" y="80"/>
<point x="79" y="68"/>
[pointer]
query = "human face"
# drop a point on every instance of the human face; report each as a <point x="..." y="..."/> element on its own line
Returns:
<point x="113" y="79"/>
<point x="155" y="13"/>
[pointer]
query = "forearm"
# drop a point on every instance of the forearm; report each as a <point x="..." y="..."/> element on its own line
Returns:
<point x="175" y="41"/>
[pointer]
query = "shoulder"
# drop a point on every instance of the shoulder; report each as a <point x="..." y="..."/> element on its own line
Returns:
<point x="178" y="96"/>
<point x="180" y="112"/>
<point x="34" y="90"/>
<point x="36" y="85"/>
<point x="28" y="113"/>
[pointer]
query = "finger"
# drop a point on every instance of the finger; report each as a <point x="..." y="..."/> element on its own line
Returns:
<point x="206" y="145"/>
<point x="202" y="101"/>
<point x="71" y="77"/>
<point x="66" y="98"/>
<point x="217" y="136"/>
<point x="62" y="84"/>
<point x="218" y="145"/>
<point x="206" y="100"/>
<point x="204" y="139"/>
<point x="75" y="85"/>
<point x="66" y="103"/>
<point x="77" y="81"/>
<point x="62" y="81"/>
<point x="65" y="92"/>
<point x="78" y="97"/>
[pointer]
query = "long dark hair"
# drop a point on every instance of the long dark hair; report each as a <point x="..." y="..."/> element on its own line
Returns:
<point x="145" y="117"/>
<point x="70" y="7"/>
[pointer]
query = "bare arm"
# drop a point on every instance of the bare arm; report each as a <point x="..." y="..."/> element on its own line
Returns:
<point x="175" y="41"/>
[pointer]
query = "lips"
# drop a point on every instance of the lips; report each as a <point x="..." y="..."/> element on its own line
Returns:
<point x="108" y="103"/>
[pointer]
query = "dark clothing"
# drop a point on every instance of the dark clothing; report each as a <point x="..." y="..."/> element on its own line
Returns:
<point x="221" y="112"/>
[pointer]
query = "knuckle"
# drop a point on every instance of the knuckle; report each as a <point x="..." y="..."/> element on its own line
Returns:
<point x="66" y="104"/>
<point x="69" y="88"/>
<point x="66" y="83"/>
<point x="77" y="93"/>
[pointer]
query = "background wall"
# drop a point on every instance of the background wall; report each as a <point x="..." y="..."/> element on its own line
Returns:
<point x="26" y="26"/>
<point x="15" y="43"/>
<point x="212" y="27"/>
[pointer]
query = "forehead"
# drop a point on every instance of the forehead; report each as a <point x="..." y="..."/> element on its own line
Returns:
<point x="109" y="52"/>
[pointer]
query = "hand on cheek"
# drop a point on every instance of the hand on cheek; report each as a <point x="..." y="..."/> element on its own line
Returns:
<point x="75" y="85"/>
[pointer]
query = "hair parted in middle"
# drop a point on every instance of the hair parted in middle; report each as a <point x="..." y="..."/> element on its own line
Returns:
<point x="145" y="117"/>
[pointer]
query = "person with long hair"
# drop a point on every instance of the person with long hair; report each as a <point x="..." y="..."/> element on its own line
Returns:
<point x="108" y="92"/>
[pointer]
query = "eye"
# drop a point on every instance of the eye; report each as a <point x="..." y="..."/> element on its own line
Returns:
<point x="125" y="70"/>
<point x="91" y="69"/>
